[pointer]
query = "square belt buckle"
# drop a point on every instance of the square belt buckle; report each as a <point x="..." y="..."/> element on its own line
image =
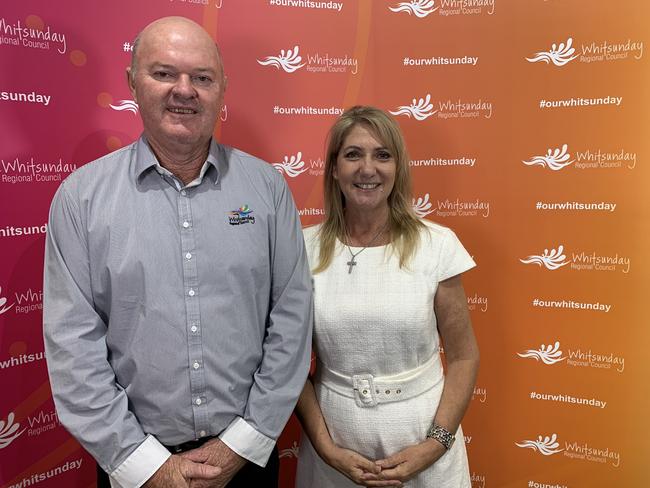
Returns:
<point x="364" y="389"/>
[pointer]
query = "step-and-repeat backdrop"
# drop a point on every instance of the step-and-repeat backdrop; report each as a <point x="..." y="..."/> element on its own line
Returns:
<point x="527" y="126"/>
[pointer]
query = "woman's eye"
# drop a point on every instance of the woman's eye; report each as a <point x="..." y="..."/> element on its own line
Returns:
<point x="383" y="156"/>
<point x="352" y="155"/>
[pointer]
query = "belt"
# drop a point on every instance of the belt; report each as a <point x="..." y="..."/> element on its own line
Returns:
<point x="189" y="445"/>
<point x="368" y="390"/>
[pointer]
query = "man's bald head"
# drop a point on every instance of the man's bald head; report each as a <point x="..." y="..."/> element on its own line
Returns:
<point x="166" y="26"/>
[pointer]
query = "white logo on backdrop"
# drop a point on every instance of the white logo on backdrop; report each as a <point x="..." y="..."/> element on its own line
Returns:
<point x="128" y="105"/>
<point x="558" y="55"/>
<point x="291" y="166"/>
<point x="4" y="308"/>
<point x="546" y="446"/>
<point x="555" y="159"/>
<point x="291" y="451"/>
<point x="422" y="206"/>
<point x="8" y="431"/>
<point x="289" y="61"/>
<point x="419" y="8"/>
<point x="224" y="113"/>
<point x="550" y="260"/>
<point x="550" y="354"/>
<point x="420" y="110"/>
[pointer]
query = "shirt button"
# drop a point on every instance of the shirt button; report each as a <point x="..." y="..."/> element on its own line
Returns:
<point x="196" y="365"/>
<point x="194" y="328"/>
<point x="186" y="224"/>
<point x="197" y="401"/>
<point x="188" y="255"/>
<point x="183" y="192"/>
<point x="191" y="292"/>
<point x="202" y="433"/>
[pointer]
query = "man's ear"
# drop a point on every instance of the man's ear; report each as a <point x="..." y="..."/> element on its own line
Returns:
<point x="130" y="81"/>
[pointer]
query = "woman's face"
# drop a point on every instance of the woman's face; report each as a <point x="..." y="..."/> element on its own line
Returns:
<point x="365" y="170"/>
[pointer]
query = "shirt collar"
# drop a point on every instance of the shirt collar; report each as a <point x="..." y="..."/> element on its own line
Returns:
<point x="146" y="162"/>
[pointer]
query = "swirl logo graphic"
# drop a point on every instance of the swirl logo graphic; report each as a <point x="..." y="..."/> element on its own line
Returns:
<point x="550" y="354"/>
<point x="3" y="306"/>
<point x="554" y="160"/>
<point x="422" y="206"/>
<point x="8" y="431"/>
<point x="420" y="110"/>
<point x="289" y="61"/>
<point x="546" y="446"/>
<point x="224" y="113"/>
<point x="558" y="55"/>
<point x="290" y="451"/>
<point x="128" y="105"/>
<point x="291" y="166"/>
<point x="550" y="260"/>
<point x="419" y="8"/>
<point x="242" y="211"/>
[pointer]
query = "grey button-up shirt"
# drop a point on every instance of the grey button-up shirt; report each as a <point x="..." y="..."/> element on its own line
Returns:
<point x="175" y="311"/>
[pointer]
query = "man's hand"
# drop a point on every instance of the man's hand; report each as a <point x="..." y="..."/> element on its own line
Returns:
<point x="177" y="472"/>
<point x="407" y="463"/>
<point x="215" y="453"/>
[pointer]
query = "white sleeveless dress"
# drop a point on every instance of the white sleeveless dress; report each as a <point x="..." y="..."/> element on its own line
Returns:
<point x="379" y="321"/>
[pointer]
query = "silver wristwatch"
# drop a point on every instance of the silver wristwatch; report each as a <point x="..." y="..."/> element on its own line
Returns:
<point x="442" y="435"/>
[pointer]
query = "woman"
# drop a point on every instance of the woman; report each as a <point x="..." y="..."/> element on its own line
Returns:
<point x="378" y="411"/>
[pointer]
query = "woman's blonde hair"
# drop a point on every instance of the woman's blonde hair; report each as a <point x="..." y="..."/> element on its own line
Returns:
<point x="404" y="224"/>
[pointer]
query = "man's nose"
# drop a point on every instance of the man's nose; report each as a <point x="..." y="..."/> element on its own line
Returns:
<point x="183" y="87"/>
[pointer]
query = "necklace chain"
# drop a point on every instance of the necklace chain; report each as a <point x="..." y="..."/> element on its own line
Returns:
<point x="353" y="255"/>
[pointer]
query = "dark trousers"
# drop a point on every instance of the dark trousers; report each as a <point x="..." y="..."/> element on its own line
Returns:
<point x="250" y="476"/>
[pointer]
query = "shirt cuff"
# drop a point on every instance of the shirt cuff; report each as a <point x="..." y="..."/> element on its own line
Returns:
<point x="247" y="442"/>
<point x="141" y="464"/>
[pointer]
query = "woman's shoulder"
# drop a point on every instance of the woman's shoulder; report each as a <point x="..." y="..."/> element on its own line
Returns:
<point x="434" y="231"/>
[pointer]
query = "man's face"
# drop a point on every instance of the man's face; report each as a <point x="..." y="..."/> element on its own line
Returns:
<point x="178" y="85"/>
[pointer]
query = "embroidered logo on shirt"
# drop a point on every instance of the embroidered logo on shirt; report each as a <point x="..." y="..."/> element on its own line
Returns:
<point x="241" y="216"/>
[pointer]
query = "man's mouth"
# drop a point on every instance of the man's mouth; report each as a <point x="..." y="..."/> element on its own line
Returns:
<point x="181" y="110"/>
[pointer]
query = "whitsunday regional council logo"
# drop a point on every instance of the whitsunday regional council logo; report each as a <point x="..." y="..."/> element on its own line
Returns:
<point x="126" y="105"/>
<point x="9" y="430"/>
<point x="22" y="302"/>
<point x="36" y="34"/>
<point x="291" y="166"/>
<point x="31" y="170"/>
<point x="291" y="61"/>
<point x="424" y="8"/>
<point x="562" y="54"/>
<point x="549" y="446"/>
<point x="559" y="158"/>
<point x="580" y="261"/>
<point x="450" y="208"/>
<point x="422" y="108"/>
<point x="551" y="354"/>
<point x="294" y="165"/>
<point x="4" y="305"/>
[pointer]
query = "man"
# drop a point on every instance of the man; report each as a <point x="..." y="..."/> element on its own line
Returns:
<point x="177" y="297"/>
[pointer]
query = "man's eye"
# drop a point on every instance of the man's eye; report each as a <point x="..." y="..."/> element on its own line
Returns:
<point x="162" y="75"/>
<point x="203" y="80"/>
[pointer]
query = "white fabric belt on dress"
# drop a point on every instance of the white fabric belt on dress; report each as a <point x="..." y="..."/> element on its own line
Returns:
<point x="368" y="390"/>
